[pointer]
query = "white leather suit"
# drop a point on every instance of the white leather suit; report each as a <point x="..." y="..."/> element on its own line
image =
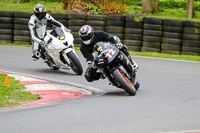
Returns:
<point x="38" y="30"/>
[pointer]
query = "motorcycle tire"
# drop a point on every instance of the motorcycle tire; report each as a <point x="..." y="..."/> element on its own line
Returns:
<point x="75" y="63"/>
<point x="124" y="82"/>
<point x="137" y="86"/>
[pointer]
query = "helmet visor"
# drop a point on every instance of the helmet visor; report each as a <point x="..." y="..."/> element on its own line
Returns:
<point x="86" y="37"/>
<point x="41" y="15"/>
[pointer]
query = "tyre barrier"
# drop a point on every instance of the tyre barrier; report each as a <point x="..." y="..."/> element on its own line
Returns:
<point x="133" y="32"/>
<point x="172" y="36"/>
<point x="152" y="35"/>
<point x="62" y="18"/>
<point x="6" y="26"/>
<point x="139" y="33"/>
<point x="75" y="22"/>
<point x="98" y="22"/>
<point x="115" y="25"/>
<point x="21" y="30"/>
<point x="191" y="39"/>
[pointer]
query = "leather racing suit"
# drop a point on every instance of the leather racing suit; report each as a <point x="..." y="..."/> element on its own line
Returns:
<point x="87" y="51"/>
<point x="38" y="31"/>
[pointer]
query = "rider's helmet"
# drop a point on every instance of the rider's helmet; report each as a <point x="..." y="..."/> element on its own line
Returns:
<point x="86" y="34"/>
<point x="39" y="11"/>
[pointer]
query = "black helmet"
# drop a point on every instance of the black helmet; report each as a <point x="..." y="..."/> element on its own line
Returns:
<point x="39" y="11"/>
<point x="86" y="34"/>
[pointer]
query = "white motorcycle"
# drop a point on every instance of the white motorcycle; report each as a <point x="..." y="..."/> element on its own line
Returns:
<point x="59" y="52"/>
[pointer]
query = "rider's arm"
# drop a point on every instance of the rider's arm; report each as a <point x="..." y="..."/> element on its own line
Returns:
<point x="86" y="53"/>
<point x="31" y="25"/>
<point x="53" y="21"/>
<point x="108" y="37"/>
<point x="114" y="39"/>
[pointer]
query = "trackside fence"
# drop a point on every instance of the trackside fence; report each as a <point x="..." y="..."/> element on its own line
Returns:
<point x="139" y="33"/>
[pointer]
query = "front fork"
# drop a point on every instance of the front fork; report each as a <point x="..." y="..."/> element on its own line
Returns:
<point x="66" y="58"/>
<point x="131" y="76"/>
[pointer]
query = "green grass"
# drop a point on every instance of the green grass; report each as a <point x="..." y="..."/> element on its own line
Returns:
<point x="177" y="13"/>
<point x="167" y="56"/>
<point x="14" y="95"/>
<point x="28" y="7"/>
<point x="147" y="54"/>
<point x="19" y="45"/>
<point x="56" y="7"/>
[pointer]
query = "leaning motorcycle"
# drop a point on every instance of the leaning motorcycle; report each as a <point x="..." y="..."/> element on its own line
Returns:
<point x="59" y="52"/>
<point x="115" y="65"/>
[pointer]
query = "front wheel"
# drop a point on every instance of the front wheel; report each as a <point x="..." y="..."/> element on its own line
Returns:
<point x="75" y="64"/>
<point x="124" y="82"/>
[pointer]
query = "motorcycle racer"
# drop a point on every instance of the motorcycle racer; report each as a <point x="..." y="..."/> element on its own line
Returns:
<point x="37" y="26"/>
<point x="89" y="38"/>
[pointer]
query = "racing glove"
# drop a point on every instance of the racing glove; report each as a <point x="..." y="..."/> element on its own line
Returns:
<point x="67" y="30"/>
<point x="91" y="64"/>
<point x="119" y="45"/>
<point x="42" y="43"/>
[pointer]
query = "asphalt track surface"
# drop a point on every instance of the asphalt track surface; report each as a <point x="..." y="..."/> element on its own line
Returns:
<point x="168" y="100"/>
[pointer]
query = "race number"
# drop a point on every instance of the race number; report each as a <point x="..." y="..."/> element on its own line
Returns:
<point x="110" y="53"/>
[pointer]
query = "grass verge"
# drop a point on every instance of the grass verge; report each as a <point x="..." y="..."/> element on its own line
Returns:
<point x="15" y="94"/>
<point x="28" y="7"/>
<point x="56" y="7"/>
<point x="167" y="56"/>
<point x="147" y="54"/>
<point x="175" y="13"/>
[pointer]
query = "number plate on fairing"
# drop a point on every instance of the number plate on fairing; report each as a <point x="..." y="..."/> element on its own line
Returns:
<point x="111" y="53"/>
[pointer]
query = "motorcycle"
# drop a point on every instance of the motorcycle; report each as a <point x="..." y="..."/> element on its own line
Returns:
<point x="115" y="65"/>
<point x="59" y="52"/>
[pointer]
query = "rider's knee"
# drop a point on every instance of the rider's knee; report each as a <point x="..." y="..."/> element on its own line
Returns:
<point x="88" y="77"/>
<point x="89" y="74"/>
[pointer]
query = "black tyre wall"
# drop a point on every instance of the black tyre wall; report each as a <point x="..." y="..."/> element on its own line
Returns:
<point x="21" y="31"/>
<point x="172" y="36"/>
<point x="75" y="22"/>
<point x="98" y="22"/>
<point x="134" y="32"/>
<point x="139" y="33"/>
<point x="6" y="26"/>
<point x="152" y="35"/>
<point x="191" y="39"/>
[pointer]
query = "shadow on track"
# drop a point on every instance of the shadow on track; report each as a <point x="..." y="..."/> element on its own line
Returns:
<point x="62" y="72"/>
<point x="116" y="93"/>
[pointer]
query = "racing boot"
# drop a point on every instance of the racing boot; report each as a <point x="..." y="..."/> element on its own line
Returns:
<point x="135" y="66"/>
<point x="36" y="55"/>
<point x="137" y="85"/>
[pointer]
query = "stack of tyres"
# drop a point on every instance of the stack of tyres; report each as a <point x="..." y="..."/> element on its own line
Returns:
<point x="191" y="38"/>
<point x="115" y="25"/>
<point x="6" y="27"/>
<point x="98" y="22"/>
<point x="152" y="35"/>
<point x="75" y="22"/>
<point x="172" y="36"/>
<point x="21" y="30"/>
<point x="133" y="32"/>
<point x="61" y="17"/>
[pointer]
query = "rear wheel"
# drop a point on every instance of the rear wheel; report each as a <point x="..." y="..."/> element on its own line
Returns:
<point x="52" y="67"/>
<point x="75" y="63"/>
<point x="50" y="62"/>
<point x="124" y="82"/>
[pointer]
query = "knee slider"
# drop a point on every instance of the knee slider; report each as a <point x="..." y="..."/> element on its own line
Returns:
<point x="88" y="77"/>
